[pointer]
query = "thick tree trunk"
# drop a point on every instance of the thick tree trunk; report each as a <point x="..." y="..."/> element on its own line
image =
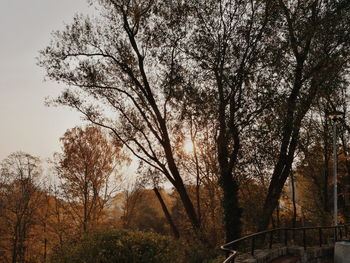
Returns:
<point x="289" y="144"/>
<point x="232" y="211"/>
<point x="229" y="186"/>
<point x="279" y="177"/>
<point x="273" y="222"/>
<point x="167" y="214"/>
<point x="227" y="159"/>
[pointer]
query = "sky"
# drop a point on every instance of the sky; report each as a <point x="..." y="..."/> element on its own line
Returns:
<point x="26" y="123"/>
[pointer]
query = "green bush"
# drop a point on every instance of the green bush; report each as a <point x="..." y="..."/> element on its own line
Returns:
<point x="121" y="246"/>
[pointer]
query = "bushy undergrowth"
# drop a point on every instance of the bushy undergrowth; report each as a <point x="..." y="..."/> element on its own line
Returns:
<point x="122" y="246"/>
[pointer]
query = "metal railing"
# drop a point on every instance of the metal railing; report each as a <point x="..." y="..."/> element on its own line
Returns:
<point x="265" y="239"/>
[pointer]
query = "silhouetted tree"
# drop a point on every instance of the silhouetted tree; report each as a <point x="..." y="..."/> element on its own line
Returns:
<point x="315" y="43"/>
<point x="21" y="200"/>
<point x="123" y="61"/>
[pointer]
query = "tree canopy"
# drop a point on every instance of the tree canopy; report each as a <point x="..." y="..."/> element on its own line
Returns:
<point x="244" y="74"/>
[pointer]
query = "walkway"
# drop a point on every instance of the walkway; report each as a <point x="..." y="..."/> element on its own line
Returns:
<point x="292" y="254"/>
<point x="286" y="259"/>
<point x="287" y="245"/>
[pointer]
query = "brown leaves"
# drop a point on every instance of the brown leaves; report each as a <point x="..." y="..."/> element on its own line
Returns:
<point x="87" y="170"/>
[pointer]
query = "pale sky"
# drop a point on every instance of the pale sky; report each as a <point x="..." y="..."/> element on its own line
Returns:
<point x="26" y="123"/>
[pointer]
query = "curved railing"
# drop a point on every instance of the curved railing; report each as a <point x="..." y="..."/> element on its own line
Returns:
<point x="268" y="237"/>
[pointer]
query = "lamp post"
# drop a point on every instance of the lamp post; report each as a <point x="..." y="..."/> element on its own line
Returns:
<point x="335" y="116"/>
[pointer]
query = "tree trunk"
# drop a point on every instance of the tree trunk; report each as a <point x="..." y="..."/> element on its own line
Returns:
<point x="290" y="135"/>
<point x="293" y="199"/>
<point x="188" y="205"/>
<point x="228" y="133"/>
<point x="167" y="214"/>
<point x="278" y="221"/>
<point x="232" y="211"/>
<point x="273" y="222"/>
<point x="275" y="189"/>
<point x="85" y="203"/>
<point x="45" y="242"/>
<point x="14" y="250"/>
<point x="297" y="105"/>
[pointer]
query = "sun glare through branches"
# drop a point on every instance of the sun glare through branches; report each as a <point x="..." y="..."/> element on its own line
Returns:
<point x="188" y="146"/>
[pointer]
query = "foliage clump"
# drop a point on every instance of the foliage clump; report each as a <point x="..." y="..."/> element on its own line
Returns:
<point x="107" y="246"/>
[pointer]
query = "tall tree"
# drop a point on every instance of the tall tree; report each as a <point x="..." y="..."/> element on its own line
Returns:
<point x="87" y="171"/>
<point x="124" y="62"/>
<point x="225" y="47"/>
<point x="315" y="40"/>
<point x="140" y="63"/>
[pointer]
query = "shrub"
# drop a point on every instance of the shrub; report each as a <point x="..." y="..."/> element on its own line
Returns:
<point x="121" y="246"/>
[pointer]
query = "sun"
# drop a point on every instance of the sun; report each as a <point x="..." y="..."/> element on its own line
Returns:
<point x="188" y="146"/>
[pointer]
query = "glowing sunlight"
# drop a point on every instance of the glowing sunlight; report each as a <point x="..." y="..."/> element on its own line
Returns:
<point x="188" y="146"/>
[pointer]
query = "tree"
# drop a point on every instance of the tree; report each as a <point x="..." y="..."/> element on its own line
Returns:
<point x="132" y="197"/>
<point x="135" y="69"/>
<point x="166" y="213"/>
<point x="310" y="184"/>
<point x="141" y="58"/>
<point x="315" y="42"/>
<point x="20" y="201"/>
<point x="124" y="62"/>
<point x="87" y="172"/>
<point x="225" y="48"/>
<point x="198" y="161"/>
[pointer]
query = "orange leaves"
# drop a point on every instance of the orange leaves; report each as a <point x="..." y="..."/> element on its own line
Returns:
<point x="87" y="171"/>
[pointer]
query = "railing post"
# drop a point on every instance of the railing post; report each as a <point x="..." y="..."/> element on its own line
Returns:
<point x="271" y="239"/>
<point x="335" y="235"/>
<point x="286" y="237"/>
<point x="346" y="231"/>
<point x="320" y="236"/>
<point x="253" y="246"/>
<point x="304" y="238"/>
<point x="340" y="233"/>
